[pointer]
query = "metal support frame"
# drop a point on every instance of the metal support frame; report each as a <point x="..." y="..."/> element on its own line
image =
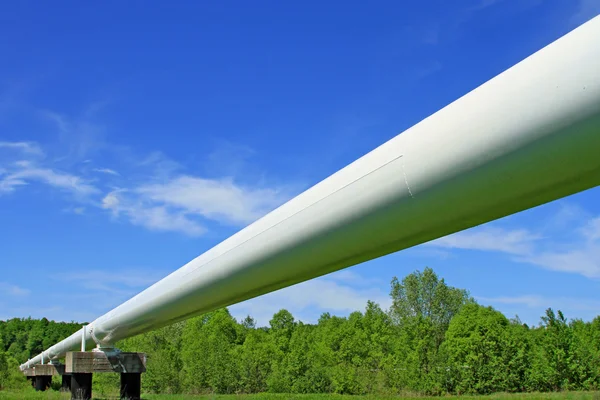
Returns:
<point x="42" y="382"/>
<point x="131" y="386"/>
<point x="65" y="383"/>
<point x="81" y="386"/>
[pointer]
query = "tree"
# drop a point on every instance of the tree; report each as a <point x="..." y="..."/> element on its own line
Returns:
<point x="478" y="351"/>
<point x="424" y="295"/>
<point x="3" y="367"/>
<point x="256" y="357"/>
<point x="282" y="327"/>
<point x="422" y="307"/>
<point x="585" y="360"/>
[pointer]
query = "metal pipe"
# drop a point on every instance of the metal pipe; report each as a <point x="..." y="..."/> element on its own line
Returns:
<point x="526" y="137"/>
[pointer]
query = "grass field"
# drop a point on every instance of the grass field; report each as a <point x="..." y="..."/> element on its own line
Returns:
<point x="52" y="395"/>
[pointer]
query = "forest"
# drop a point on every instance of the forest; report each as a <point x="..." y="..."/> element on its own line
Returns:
<point x="435" y="339"/>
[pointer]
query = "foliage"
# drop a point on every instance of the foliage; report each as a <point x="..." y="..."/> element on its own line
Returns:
<point x="433" y="340"/>
<point x="32" y="395"/>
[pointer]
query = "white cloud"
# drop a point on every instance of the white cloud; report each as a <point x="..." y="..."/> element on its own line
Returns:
<point x="156" y="198"/>
<point x="592" y="229"/>
<point x="160" y="165"/>
<point x="13" y="290"/>
<point x="24" y="171"/>
<point x="216" y="199"/>
<point x="53" y="313"/>
<point x="307" y="300"/>
<point x="537" y="302"/>
<point x="586" y="10"/>
<point x="59" y="180"/>
<point x="584" y="260"/>
<point x="74" y="210"/>
<point x="578" y="254"/>
<point x="517" y="241"/>
<point x="184" y="203"/>
<point x="25" y="147"/>
<point x="350" y="277"/>
<point x="106" y="171"/>
<point x="120" y="282"/>
<point x="9" y="184"/>
<point x="428" y="69"/>
<point x="80" y="135"/>
<point x="129" y="277"/>
<point x="485" y="4"/>
<point x="153" y="217"/>
<point x="526" y="300"/>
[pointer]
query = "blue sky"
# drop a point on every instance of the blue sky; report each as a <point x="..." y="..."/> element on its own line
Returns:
<point x="135" y="137"/>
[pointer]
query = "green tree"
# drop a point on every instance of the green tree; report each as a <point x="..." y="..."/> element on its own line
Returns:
<point x="255" y="359"/>
<point x="478" y="350"/>
<point x="584" y="365"/>
<point x="209" y="356"/>
<point x="422" y="307"/>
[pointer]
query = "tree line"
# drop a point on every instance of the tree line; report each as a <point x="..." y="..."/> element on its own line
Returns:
<point x="434" y="339"/>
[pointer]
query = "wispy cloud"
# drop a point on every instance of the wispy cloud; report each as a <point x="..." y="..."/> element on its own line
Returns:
<point x="216" y="199"/>
<point x="307" y="300"/>
<point x="106" y="171"/>
<point x="160" y="166"/>
<point x="485" y="4"/>
<point x="586" y="10"/>
<point x="582" y="259"/>
<point x="9" y="184"/>
<point x="55" y="313"/>
<point x="229" y="159"/>
<point x="536" y="301"/>
<point x="23" y="164"/>
<point x="518" y="241"/>
<point x="181" y="203"/>
<point x="25" y="147"/>
<point x="153" y="217"/>
<point x="429" y="69"/>
<point x="13" y="290"/>
<point x="81" y="135"/>
<point x="350" y="277"/>
<point x="591" y="230"/>
<point x="25" y="172"/>
<point x="121" y="283"/>
<point x="465" y="15"/>
<point x="157" y="197"/>
<point x="578" y="254"/>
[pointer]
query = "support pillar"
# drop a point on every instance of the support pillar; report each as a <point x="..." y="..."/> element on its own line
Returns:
<point x="42" y="382"/>
<point x="131" y="385"/>
<point x="81" y="386"/>
<point x="81" y="366"/>
<point x="66" y="383"/>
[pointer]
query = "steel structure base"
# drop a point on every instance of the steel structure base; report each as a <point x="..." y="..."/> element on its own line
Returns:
<point x="66" y="383"/>
<point x="131" y="386"/>
<point x="42" y="382"/>
<point x="81" y="386"/>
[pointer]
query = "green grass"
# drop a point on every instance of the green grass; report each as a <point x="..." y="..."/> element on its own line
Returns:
<point x="266" y="396"/>
<point x="53" y="395"/>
